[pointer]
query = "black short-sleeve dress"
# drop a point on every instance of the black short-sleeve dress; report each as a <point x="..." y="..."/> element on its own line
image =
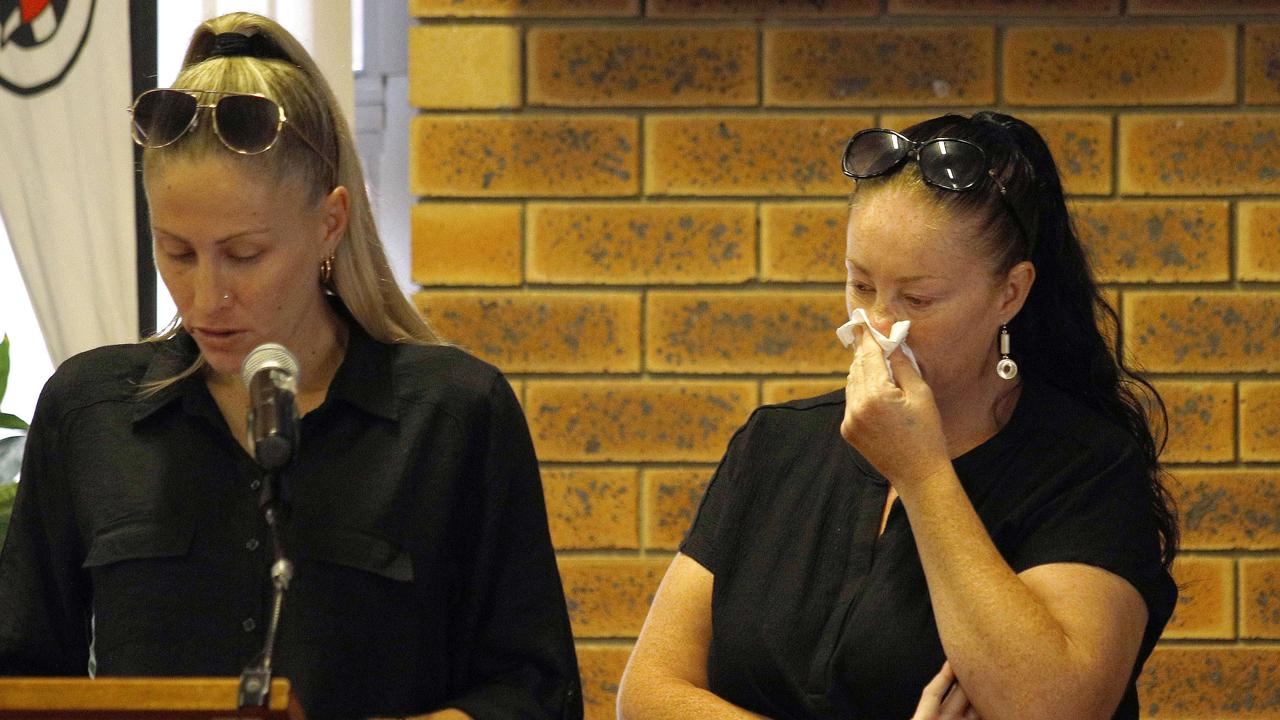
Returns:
<point x="814" y="616"/>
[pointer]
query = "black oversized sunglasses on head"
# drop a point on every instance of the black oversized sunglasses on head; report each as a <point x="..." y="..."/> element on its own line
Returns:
<point x="948" y="163"/>
<point x="246" y="123"/>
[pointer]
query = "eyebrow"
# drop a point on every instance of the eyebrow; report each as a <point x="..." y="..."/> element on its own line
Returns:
<point x="907" y="279"/>
<point x="219" y="241"/>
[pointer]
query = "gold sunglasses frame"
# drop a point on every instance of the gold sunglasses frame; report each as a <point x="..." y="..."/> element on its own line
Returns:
<point x="281" y="122"/>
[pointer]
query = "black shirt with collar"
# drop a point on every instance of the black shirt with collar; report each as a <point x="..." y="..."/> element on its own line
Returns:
<point x="424" y="573"/>
<point x="815" y="615"/>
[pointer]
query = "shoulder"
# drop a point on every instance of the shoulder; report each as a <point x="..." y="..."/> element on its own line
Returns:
<point x="804" y="412"/>
<point x="1071" y="425"/>
<point x="448" y="376"/>
<point x="794" y="426"/>
<point x="104" y="374"/>
<point x="1065" y="445"/>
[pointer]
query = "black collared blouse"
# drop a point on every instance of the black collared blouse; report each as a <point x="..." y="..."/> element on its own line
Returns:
<point x="424" y="574"/>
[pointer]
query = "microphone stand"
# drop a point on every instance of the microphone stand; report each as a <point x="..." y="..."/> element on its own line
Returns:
<point x="255" y="680"/>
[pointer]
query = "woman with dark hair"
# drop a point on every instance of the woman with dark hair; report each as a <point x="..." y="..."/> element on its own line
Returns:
<point x="975" y="526"/>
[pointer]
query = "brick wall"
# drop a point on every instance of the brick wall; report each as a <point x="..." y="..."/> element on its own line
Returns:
<point x="634" y="208"/>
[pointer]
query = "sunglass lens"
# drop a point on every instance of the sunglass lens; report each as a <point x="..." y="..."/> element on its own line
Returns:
<point x="161" y="116"/>
<point x="247" y="123"/>
<point x="873" y="153"/>
<point x="951" y="164"/>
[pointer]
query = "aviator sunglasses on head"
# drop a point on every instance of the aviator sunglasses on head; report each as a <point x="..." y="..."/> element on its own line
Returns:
<point x="948" y="163"/>
<point x="246" y="123"/>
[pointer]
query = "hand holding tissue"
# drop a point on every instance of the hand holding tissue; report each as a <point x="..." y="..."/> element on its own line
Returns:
<point x="897" y="337"/>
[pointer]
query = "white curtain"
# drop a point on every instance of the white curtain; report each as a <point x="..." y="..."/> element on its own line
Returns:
<point x="67" y="165"/>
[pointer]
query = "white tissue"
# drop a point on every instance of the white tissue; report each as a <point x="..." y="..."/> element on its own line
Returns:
<point x="897" y="337"/>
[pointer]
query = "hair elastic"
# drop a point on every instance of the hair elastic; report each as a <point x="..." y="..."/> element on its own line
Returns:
<point x="233" y="44"/>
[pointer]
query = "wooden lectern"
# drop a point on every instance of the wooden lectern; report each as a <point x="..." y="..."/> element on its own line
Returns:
<point x="116" y="698"/>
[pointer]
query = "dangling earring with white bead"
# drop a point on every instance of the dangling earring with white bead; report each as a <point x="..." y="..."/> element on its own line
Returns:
<point x="1006" y="368"/>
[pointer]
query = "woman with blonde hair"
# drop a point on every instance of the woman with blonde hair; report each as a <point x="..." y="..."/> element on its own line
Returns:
<point x="424" y="577"/>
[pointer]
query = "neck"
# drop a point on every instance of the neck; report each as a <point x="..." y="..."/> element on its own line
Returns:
<point x="978" y="413"/>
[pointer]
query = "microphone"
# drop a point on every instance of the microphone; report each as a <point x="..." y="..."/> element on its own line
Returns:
<point x="270" y="374"/>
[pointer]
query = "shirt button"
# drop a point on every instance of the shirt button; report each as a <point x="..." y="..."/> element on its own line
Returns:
<point x="249" y="625"/>
<point x="255" y="484"/>
<point x="252" y="544"/>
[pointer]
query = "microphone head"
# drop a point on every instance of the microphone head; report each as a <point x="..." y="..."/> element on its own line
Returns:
<point x="268" y="355"/>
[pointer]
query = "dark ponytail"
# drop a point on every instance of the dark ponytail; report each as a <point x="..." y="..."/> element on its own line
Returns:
<point x="1061" y="332"/>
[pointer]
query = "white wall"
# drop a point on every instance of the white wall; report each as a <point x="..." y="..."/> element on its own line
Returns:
<point x="30" y="364"/>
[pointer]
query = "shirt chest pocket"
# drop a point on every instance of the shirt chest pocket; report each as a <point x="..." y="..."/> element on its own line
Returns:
<point x="144" y="581"/>
<point x="355" y="550"/>
<point x="139" y="541"/>
<point x="350" y="586"/>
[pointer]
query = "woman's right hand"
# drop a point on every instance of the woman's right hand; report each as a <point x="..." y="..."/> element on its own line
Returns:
<point x="944" y="699"/>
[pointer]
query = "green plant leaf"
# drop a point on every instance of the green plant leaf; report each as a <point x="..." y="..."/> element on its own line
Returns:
<point x="12" y="422"/>
<point x="4" y="366"/>
<point x="7" y="494"/>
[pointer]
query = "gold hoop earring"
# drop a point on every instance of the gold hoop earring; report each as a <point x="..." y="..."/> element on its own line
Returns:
<point x="326" y="272"/>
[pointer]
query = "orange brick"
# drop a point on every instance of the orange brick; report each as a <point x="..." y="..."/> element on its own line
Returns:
<point x="1005" y="8"/>
<point x="744" y="332"/>
<point x="594" y="420"/>
<point x="609" y="597"/>
<point x="1136" y="65"/>
<point x="1200" y="421"/>
<point x="466" y="243"/>
<point x="524" y="8"/>
<point x="1203" y="682"/>
<point x="803" y="242"/>
<point x="1199" y="7"/>
<point x="1228" y="509"/>
<point x="592" y="508"/>
<point x="601" y="667"/>
<point x="879" y="66"/>
<point x="644" y="66"/>
<point x="483" y="155"/>
<point x="541" y="331"/>
<point x="1206" y="599"/>
<point x="1259" y="421"/>
<point x="1152" y="242"/>
<point x="1258" y="246"/>
<point x="490" y="53"/>
<point x="1081" y="144"/>
<point x="1260" y="598"/>
<point x="780" y="391"/>
<point x="1199" y="154"/>
<point x="761" y="9"/>
<point x="747" y="155"/>
<point x="900" y="121"/>
<point x="673" y="498"/>
<point x="632" y="244"/>
<point x="1203" y="332"/>
<point x="1262" y="64"/>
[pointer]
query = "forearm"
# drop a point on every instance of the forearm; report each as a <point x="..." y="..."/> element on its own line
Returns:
<point x="1007" y="649"/>
<point x="669" y="698"/>
<point x="446" y="714"/>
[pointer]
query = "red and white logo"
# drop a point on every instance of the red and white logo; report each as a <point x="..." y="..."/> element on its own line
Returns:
<point x="40" y="41"/>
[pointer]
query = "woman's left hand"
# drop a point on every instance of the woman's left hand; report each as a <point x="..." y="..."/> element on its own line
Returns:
<point x="897" y="428"/>
<point x="944" y="699"/>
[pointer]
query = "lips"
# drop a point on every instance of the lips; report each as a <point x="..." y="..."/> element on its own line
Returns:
<point x="216" y="336"/>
